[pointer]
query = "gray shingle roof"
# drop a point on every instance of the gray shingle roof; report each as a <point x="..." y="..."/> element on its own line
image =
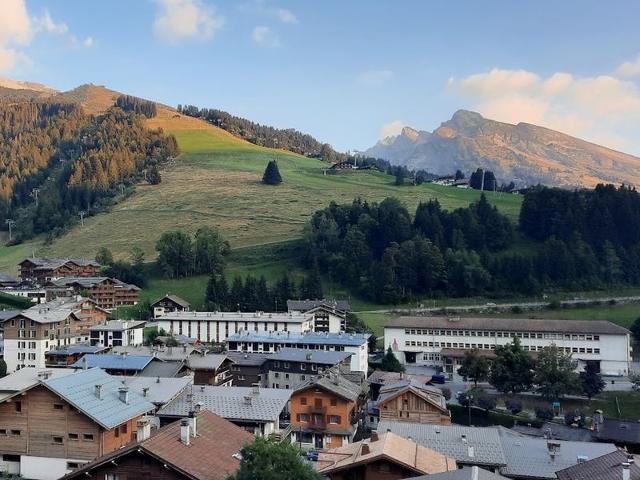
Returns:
<point x="43" y="262"/>
<point x="76" y="348"/>
<point x="174" y="298"/>
<point x="209" y="361"/>
<point x="109" y="411"/>
<point x="621" y="431"/>
<point x="333" y="383"/>
<point x="305" y="355"/>
<point x="180" y="353"/>
<point x="306" y="305"/>
<point x="510" y="324"/>
<point x="310" y="338"/>
<point x="89" y="282"/>
<point x="162" y="369"/>
<point x="465" y="473"/>
<point x="248" y="359"/>
<point x="232" y="403"/>
<point x="56" y="310"/>
<point x="118" y="325"/>
<point x="159" y="390"/>
<point x="529" y="457"/>
<point x="113" y="361"/>
<point x="605" y="467"/>
<point x="448" y="440"/>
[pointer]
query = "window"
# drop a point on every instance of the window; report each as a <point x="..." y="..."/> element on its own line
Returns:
<point x="286" y="364"/>
<point x="303" y="417"/>
<point x="18" y="406"/>
<point x="334" y="419"/>
<point x="58" y="440"/>
<point x="303" y="366"/>
<point x="318" y="402"/>
<point x="74" y="436"/>
<point x="3" y="431"/>
<point x="88" y="437"/>
<point x="303" y="400"/>
<point x="334" y="402"/>
<point x="123" y="428"/>
<point x="111" y="476"/>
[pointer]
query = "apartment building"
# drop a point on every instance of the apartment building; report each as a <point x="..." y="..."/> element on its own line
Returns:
<point x="328" y="315"/>
<point x="60" y="322"/>
<point x="290" y="367"/>
<point x="108" y="292"/>
<point x="118" y="333"/>
<point x="44" y="270"/>
<point x="442" y="341"/>
<point x="270" y="342"/>
<point x="51" y="422"/>
<point x="216" y="327"/>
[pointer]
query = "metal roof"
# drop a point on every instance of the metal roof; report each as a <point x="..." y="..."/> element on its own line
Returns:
<point x="309" y="338"/>
<point x="483" y="443"/>
<point x="620" y="431"/>
<point x="209" y="361"/>
<point x="79" y="389"/>
<point x="44" y="262"/>
<point x="76" y="348"/>
<point x="113" y="361"/>
<point x="333" y="383"/>
<point x="530" y="457"/>
<point x="118" y="325"/>
<point x="180" y="353"/>
<point x="158" y="390"/>
<point x="162" y="369"/>
<point x="27" y="378"/>
<point x="306" y="305"/>
<point x="232" y="403"/>
<point x="89" y="282"/>
<point x="510" y="325"/>
<point x="304" y="355"/>
<point x="174" y="298"/>
<point x="605" y="467"/>
<point x="464" y="473"/>
<point x="282" y="317"/>
<point x="248" y="359"/>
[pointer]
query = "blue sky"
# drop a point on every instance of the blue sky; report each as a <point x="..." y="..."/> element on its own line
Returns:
<point x="346" y="71"/>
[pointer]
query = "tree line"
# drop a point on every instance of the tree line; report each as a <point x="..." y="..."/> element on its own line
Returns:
<point x="137" y="105"/>
<point x="385" y="254"/>
<point x="56" y="161"/>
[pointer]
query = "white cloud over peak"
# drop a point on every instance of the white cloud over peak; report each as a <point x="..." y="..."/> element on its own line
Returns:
<point x="375" y="78"/>
<point x="181" y="19"/>
<point x="15" y="31"/>
<point x="391" y="129"/>
<point x="47" y="24"/>
<point x="603" y="109"/>
<point x="629" y="69"/>
<point x="265" y="36"/>
<point x="286" y="16"/>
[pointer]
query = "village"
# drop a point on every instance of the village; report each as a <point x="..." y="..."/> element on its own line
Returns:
<point x="89" y="395"/>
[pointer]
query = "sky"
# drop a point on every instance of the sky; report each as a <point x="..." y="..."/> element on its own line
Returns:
<point x="347" y="72"/>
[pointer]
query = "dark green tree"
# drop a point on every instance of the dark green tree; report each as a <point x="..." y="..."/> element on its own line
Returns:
<point x="175" y="254"/>
<point x="555" y="373"/>
<point x="272" y="174"/>
<point x="390" y="363"/>
<point x="591" y="381"/>
<point x="210" y="250"/>
<point x="266" y="459"/>
<point x="216" y="293"/>
<point x="137" y="256"/>
<point x="104" y="257"/>
<point x="153" y="175"/>
<point x="474" y="367"/>
<point x="512" y="369"/>
<point x="635" y="329"/>
<point x="400" y="176"/>
<point x="3" y="368"/>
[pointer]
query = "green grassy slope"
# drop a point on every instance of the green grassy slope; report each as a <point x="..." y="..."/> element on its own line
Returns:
<point x="216" y="181"/>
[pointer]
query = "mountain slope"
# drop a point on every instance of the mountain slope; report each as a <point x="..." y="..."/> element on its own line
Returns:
<point x="524" y="153"/>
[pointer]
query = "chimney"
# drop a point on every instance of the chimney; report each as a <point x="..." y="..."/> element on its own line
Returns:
<point x="374" y="436"/>
<point x="255" y="389"/>
<point x="144" y="430"/>
<point x="364" y="450"/>
<point x="471" y="451"/>
<point x="474" y="472"/>
<point x="193" y="423"/>
<point x="582" y="458"/>
<point x="123" y="394"/>
<point x="184" y="431"/>
<point x="98" y="392"/>
<point x="145" y="391"/>
<point x="464" y="438"/>
<point x="626" y="471"/>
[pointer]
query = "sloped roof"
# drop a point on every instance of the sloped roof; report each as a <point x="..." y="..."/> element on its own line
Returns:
<point x="605" y="467"/>
<point x="76" y="348"/>
<point x="180" y="353"/>
<point x="449" y="440"/>
<point x="209" y="455"/>
<point x="306" y="305"/>
<point x="108" y="411"/>
<point x="428" y="393"/>
<point x="118" y="325"/>
<point x="333" y="383"/>
<point x="304" y="355"/>
<point x="162" y="369"/>
<point x="44" y="262"/>
<point x="384" y="378"/>
<point x="464" y="473"/>
<point x="89" y="282"/>
<point x="113" y="361"/>
<point x="210" y="361"/>
<point x="232" y="403"/>
<point x="309" y="338"/>
<point x="621" y="431"/>
<point x="159" y="390"/>
<point x="174" y="298"/>
<point x="248" y="359"/>
<point x="56" y="310"/>
<point x="26" y="378"/>
<point x="390" y="447"/>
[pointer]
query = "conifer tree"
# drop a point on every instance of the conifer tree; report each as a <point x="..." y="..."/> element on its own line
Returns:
<point x="272" y="174"/>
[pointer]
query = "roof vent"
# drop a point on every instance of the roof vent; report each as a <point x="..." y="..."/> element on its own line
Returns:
<point x="374" y="436"/>
<point x="365" y="449"/>
<point x="184" y="431"/>
<point x="145" y="391"/>
<point x="98" y="391"/>
<point x="471" y="451"/>
<point x="582" y="458"/>
<point x="123" y="394"/>
<point x="248" y="400"/>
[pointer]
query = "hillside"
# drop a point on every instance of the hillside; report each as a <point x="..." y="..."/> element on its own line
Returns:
<point x="524" y="153"/>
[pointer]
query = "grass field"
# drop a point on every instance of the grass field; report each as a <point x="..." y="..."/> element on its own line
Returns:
<point x="216" y="181"/>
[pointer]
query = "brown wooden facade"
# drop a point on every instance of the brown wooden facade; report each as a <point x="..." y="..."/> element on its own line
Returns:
<point x="34" y="272"/>
<point x="107" y="294"/>
<point x="408" y="406"/>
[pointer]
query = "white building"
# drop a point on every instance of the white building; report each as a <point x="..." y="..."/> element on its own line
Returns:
<point x="328" y="315"/>
<point x="215" y="327"/>
<point x="266" y="342"/>
<point x="442" y="341"/>
<point x="118" y="333"/>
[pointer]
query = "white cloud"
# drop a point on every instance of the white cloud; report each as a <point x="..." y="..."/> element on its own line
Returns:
<point x="375" y="78"/>
<point x="601" y="108"/>
<point x="15" y="31"/>
<point x="265" y="36"/>
<point x="629" y="69"/>
<point x="391" y="129"/>
<point x="47" y="24"/>
<point x="180" y="19"/>
<point x="89" y="42"/>
<point x="286" y="16"/>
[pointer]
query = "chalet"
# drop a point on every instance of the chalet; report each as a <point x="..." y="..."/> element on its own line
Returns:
<point x="58" y="323"/>
<point x="380" y="378"/>
<point x="169" y="304"/>
<point x="118" y="333"/>
<point x="384" y="456"/>
<point x="70" y="354"/>
<point x="44" y="270"/>
<point x="328" y="315"/>
<point x="210" y="369"/>
<point x="157" y="390"/>
<point x="108" y="292"/>
<point x="51" y="423"/>
<point x="261" y="411"/>
<point x="246" y="368"/>
<point x="291" y="367"/>
<point x="410" y="401"/>
<point x="326" y="411"/>
<point x="202" y="447"/>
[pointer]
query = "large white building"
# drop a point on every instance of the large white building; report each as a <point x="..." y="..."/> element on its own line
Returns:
<point x="215" y="327"/>
<point x="118" y="333"/>
<point x="442" y="341"/>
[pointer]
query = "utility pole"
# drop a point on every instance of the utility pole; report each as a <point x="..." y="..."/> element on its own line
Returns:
<point x="10" y="223"/>
<point x="482" y="184"/>
<point x="34" y="194"/>
<point x="82" y="214"/>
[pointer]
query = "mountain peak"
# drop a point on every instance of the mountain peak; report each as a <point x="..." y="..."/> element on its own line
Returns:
<point x="22" y="85"/>
<point x="411" y="133"/>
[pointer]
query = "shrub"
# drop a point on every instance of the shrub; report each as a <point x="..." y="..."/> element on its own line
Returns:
<point x="446" y="393"/>
<point x="544" y="414"/>
<point x="486" y="402"/>
<point x="513" y="405"/>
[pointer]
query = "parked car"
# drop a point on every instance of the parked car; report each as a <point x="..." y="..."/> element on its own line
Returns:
<point x="438" y="378"/>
